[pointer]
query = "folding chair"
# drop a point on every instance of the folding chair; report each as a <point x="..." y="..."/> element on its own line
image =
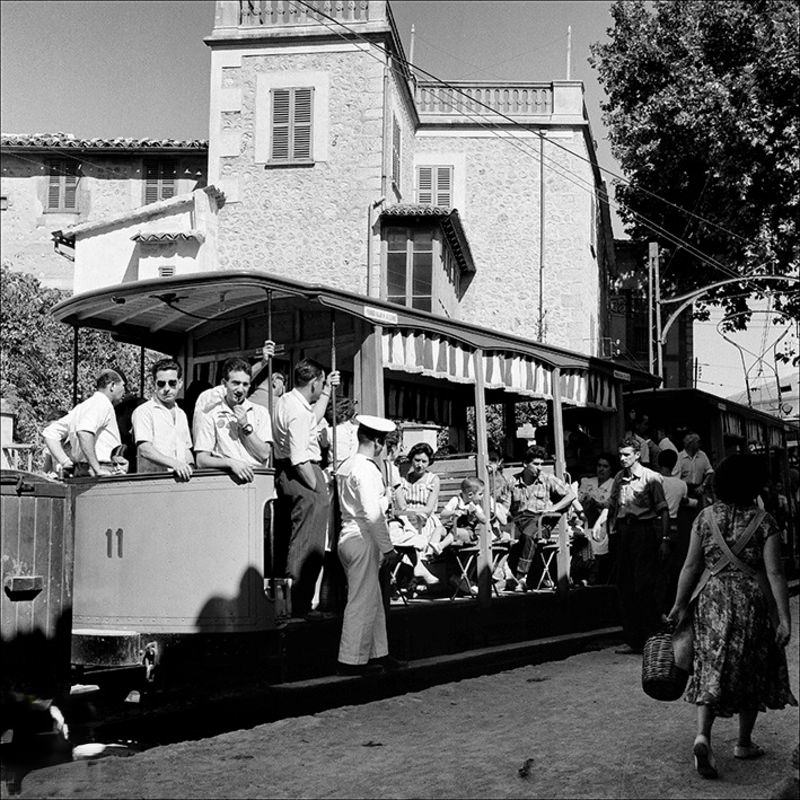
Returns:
<point x="547" y="552"/>
<point x="403" y="551"/>
<point x="465" y="558"/>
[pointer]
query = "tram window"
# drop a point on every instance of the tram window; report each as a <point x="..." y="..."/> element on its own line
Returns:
<point x="225" y="339"/>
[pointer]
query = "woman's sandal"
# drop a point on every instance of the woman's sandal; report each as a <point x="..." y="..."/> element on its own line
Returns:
<point x="704" y="758"/>
<point x="751" y="750"/>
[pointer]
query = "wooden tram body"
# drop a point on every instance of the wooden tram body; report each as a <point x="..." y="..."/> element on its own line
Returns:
<point x="171" y="573"/>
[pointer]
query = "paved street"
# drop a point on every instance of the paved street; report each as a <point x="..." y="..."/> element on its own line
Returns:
<point x="583" y="727"/>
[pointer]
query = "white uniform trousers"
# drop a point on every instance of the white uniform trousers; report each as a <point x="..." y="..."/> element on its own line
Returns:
<point x="364" y="626"/>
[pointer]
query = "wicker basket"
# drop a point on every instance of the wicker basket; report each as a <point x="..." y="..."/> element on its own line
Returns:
<point x="661" y="678"/>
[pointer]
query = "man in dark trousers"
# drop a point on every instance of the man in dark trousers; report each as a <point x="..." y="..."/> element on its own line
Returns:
<point x="638" y="522"/>
<point x="303" y="499"/>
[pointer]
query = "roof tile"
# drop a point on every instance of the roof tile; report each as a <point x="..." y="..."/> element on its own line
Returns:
<point x="62" y="140"/>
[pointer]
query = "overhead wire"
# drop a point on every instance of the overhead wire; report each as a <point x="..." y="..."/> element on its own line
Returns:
<point x="493" y="110"/>
<point x="603" y="194"/>
<point x="560" y="169"/>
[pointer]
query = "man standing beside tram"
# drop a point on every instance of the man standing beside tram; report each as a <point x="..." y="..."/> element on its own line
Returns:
<point x="160" y="427"/>
<point x="304" y="502"/>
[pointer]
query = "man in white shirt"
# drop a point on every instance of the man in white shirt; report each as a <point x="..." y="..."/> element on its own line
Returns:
<point x="94" y="432"/>
<point x="160" y="427"/>
<point x="364" y="545"/>
<point x="302" y="492"/>
<point x="664" y="442"/>
<point x="234" y="434"/>
<point x="58" y="459"/>
<point x="693" y="465"/>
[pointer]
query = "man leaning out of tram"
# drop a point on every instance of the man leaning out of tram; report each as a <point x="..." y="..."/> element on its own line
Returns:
<point x="234" y="433"/>
<point x="160" y="427"/>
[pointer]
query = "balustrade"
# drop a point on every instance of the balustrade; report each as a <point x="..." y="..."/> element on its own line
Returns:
<point x="288" y="13"/>
<point x="464" y="98"/>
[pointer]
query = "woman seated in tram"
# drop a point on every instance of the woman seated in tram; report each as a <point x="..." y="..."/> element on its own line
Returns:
<point x="415" y="523"/>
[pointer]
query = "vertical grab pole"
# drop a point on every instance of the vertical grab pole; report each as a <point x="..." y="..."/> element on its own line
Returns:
<point x="74" y="366"/>
<point x="484" y="542"/>
<point x="333" y="392"/>
<point x="269" y="360"/>
<point x="562" y="558"/>
<point x="141" y="371"/>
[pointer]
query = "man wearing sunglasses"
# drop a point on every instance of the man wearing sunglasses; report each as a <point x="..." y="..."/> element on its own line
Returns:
<point x="160" y="426"/>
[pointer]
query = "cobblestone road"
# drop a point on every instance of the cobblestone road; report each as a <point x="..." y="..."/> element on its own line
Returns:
<point x="583" y="727"/>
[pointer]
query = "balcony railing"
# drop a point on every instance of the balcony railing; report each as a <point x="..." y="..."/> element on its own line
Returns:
<point x="512" y="99"/>
<point x="287" y="13"/>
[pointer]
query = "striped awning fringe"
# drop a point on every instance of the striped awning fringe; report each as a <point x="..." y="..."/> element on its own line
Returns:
<point x="423" y="353"/>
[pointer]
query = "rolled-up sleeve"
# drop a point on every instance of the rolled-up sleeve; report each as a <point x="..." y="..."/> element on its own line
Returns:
<point x="204" y="433"/>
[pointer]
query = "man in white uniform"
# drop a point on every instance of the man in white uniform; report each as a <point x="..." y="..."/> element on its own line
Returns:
<point x="234" y="433"/>
<point x="364" y="544"/>
<point x="94" y="432"/>
<point x="160" y="427"/>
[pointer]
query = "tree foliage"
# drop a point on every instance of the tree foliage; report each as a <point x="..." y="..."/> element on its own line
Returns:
<point x="36" y="354"/>
<point x="702" y="110"/>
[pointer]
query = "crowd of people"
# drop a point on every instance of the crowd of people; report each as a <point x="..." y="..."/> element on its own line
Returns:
<point x="630" y="523"/>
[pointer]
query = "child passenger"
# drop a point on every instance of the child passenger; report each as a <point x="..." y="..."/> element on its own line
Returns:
<point x="463" y="514"/>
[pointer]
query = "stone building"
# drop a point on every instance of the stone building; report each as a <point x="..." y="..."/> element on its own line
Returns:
<point x="476" y="202"/>
<point x="53" y="181"/>
<point x="473" y="201"/>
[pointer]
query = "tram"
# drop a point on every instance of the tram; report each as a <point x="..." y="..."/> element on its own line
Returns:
<point x="170" y="576"/>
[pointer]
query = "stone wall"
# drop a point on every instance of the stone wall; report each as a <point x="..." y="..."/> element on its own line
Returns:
<point x="109" y="184"/>
<point x="501" y="218"/>
<point x="304" y="222"/>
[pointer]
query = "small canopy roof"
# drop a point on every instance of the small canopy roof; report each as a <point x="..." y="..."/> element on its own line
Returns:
<point x="160" y="313"/>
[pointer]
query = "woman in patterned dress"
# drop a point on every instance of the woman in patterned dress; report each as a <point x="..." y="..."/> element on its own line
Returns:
<point x="739" y="659"/>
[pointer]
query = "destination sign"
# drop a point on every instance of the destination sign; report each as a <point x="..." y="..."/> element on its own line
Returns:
<point x="380" y="315"/>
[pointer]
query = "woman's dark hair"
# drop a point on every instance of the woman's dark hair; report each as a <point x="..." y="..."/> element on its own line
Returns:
<point x="739" y="478"/>
<point x="612" y="460"/>
<point x="420" y="447"/>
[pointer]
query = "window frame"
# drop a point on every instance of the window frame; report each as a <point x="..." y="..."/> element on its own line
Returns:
<point x="434" y="181"/>
<point x="410" y="252"/>
<point x="161" y="165"/>
<point x="64" y="168"/>
<point x="291" y="127"/>
<point x="397" y="148"/>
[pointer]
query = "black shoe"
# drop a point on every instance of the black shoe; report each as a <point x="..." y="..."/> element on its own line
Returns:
<point x="359" y="670"/>
<point x="390" y="663"/>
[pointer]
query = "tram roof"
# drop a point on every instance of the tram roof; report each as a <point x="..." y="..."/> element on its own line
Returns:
<point x="160" y="313"/>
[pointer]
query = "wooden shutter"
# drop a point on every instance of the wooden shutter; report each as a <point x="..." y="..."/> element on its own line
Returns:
<point x="396" y="152"/>
<point x="151" y="182"/>
<point x="301" y="133"/>
<point x="54" y="187"/>
<point x="281" y="106"/>
<point x="444" y="186"/>
<point x="168" y="170"/>
<point x="425" y="185"/>
<point x="70" y="192"/>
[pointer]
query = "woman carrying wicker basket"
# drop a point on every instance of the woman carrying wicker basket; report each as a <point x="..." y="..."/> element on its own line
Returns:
<point x="730" y="588"/>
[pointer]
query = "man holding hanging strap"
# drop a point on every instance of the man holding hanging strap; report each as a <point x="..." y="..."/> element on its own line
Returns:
<point x="638" y="523"/>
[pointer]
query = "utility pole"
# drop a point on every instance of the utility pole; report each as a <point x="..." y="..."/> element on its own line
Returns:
<point x="696" y="372"/>
<point x="569" y="51"/>
<point x="654" y="257"/>
<point x="411" y="48"/>
<point x="650" y="309"/>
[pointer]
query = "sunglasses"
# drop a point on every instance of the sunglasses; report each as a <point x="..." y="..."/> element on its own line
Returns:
<point x="162" y="384"/>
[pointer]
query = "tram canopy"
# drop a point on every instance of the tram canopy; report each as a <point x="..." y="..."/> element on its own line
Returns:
<point x="162" y="313"/>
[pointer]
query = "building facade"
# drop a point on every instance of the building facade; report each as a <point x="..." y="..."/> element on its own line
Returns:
<point x="54" y="181"/>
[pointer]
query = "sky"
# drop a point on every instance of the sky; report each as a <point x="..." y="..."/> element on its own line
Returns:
<point x="140" y="69"/>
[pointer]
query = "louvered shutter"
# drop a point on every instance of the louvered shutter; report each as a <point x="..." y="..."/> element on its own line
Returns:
<point x="168" y="170"/>
<point x="301" y="134"/>
<point x="444" y="186"/>
<point x="281" y="103"/>
<point x="151" y="183"/>
<point x="396" y="152"/>
<point x="425" y="185"/>
<point x="70" y="192"/>
<point x="54" y="188"/>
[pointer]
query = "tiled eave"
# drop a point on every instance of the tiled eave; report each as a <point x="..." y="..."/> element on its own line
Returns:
<point x="449" y="221"/>
<point x="47" y="142"/>
<point x="143" y="237"/>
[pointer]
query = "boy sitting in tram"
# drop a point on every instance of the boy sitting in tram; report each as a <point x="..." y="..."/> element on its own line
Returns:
<point x="463" y="514"/>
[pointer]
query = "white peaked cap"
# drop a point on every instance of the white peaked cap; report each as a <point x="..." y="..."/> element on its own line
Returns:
<point x="379" y="424"/>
